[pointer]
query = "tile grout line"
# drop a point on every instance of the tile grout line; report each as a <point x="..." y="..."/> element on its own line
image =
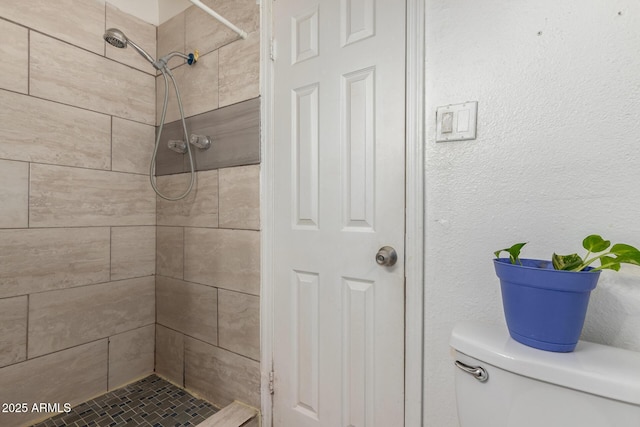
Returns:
<point x="208" y="343"/>
<point x="29" y="195"/>
<point x="82" y="286"/>
<point x="110" y="254"/>
<point x="104" y="45"/>
<point x="111" y="145"/>
<point x="207" y="285"/>
<point x="218" y="194"/>
<point x="155" y="288"/>
<point x="218" y="77"/>
<point x="75" y="167"/>
<point x="26" y="350"/>
<point x="184" y="362"/>
<point x="108" y="359"/>
<point x="184" y="251"/>
<point x="74" y="106"/>
<point x="28" y="61"/>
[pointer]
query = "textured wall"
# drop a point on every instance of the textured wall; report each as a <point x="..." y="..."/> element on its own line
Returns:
<point x="208" y="244"/>
<point x="556" y="159"/>
<point x="77" y="215"/>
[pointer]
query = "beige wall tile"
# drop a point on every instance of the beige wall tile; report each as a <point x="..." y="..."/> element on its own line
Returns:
<point x="188" y="308"/>
<point x="14" y="68"/>
<point x="65" y="318"/>
<point x="131" y="356"/>
<point x="42" y="131"/>
<point x="173" y="212"/>
<point x="77" y="22"/>
<point x="240" y="70"/>
<point x="45" y="259"/>
<point x="240" y="197"/>
<point x="62" y="196"/>
<point x="198" y="85"/>
<point x="205" y="33"/>
<point x="168" y="212"/>
<point x="170" y="354"/>
<point x="133" y="252"/>
<point x="14" y="194"/>
<point x="170" y="252"/>
<point x="13" y="330"/>
<point x="227" y="259"/>
<point x="201" y="206"/>
<point x="132" y="146"/>
<point x="171" y="39"/>
<point x="66" y="74"/>
<point x="173" y="113"/>
<point x="198" y="209"/>
<point x="141" y="32"/>
<point x="239" y="323"/>
<point x="72" y="376"/>
<point x="219" y="375"/>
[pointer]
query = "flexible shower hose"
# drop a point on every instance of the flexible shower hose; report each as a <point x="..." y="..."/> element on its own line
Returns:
<point x="152" y="169"/>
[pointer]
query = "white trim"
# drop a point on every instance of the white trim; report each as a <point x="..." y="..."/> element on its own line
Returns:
<point x="414" y="215"/>
<point x="266" y="211"/>
<point x="414" y="238"/>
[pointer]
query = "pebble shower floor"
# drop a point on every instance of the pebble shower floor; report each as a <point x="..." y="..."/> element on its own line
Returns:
<point x="151" y="401"/>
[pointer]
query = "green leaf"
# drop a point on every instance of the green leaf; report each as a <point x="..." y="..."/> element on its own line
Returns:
<point x="629" y="258"/>
<point x="610" y="263"/>
<point x="622" y="249"/>
<point x="595" y="243"/>
<point x="566" y="262"/>
<point x="514" y="252"/>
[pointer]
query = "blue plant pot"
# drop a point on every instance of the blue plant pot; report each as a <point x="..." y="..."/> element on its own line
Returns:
<point x="544" y="308"/>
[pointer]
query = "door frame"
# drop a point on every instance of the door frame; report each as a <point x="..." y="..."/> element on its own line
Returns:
<point x="414" y="211"/>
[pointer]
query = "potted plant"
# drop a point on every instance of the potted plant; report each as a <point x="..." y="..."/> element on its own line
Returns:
<point x="545" y="302"/>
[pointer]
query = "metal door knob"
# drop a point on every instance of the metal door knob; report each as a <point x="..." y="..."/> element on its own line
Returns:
<point x="386" y="256"/>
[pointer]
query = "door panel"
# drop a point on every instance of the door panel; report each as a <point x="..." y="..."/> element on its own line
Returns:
<point x="339" y="197"/>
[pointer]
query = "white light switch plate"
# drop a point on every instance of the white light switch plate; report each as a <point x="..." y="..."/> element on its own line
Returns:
<point x="456" y="122"/>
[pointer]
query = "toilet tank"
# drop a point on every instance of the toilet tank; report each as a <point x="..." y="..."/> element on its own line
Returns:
<point x="595" y="386"/>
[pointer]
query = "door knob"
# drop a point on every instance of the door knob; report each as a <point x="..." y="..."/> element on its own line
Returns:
<point x="386" y="256"/>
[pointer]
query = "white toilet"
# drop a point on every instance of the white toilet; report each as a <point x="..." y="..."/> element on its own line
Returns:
<point x="502" y="383"/>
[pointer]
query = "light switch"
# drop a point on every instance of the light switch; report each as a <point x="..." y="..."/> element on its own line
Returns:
<point x="463" y="121"/>
<point x="447" y="122"/>
<point x="456" y="122"/>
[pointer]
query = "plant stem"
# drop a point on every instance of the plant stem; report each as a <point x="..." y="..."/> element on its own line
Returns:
<point x="586" y="263"/>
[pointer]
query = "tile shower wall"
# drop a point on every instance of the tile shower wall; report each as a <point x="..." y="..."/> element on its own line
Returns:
<point x="208" y="257"/>
<point x="77" y="215"/>
<point x="207" y="286"/>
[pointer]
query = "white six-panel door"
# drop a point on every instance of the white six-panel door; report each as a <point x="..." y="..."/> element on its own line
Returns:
<point x="339" y="90"/>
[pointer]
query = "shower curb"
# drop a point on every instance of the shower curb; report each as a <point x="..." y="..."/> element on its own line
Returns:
<point x="236" y="414"/>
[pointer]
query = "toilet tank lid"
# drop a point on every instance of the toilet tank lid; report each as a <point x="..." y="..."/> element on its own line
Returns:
<point x="593" y="368"/>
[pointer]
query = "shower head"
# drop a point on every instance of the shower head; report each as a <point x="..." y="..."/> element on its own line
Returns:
<point x="116" y="38"/>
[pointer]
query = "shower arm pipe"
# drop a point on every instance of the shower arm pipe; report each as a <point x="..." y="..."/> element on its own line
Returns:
<point x="163" y="62"/>
<point x="220" y="18"/>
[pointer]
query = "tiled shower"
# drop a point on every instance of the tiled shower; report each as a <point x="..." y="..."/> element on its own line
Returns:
<point x="101" y="282"/>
